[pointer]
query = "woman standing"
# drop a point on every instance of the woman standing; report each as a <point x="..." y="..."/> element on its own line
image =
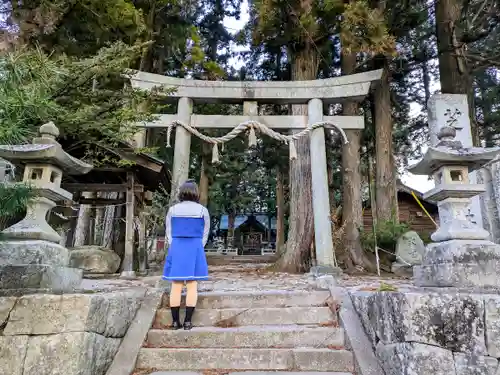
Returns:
<point x="186" y="230"/>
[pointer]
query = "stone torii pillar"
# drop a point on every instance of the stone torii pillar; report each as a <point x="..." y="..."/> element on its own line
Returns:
<point x="321" y="202"/>
<point x="180" y="171"/>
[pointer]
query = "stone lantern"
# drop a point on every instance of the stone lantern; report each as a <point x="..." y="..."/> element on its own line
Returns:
<point x="462" y="254"/>
<point x="31" y="256"/>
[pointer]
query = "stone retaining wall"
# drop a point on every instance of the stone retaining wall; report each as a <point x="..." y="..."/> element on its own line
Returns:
<point x="429" y="333"/>
<point x="72" y="334"/>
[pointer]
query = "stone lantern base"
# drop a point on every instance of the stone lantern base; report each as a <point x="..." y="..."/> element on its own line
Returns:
<point x="460" y="264"/>
<point x="36" y="264"/>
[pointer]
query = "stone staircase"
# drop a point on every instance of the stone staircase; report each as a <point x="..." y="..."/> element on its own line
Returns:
<point x="253" y="331"/>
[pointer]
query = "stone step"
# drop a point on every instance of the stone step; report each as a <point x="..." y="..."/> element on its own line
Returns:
<point x="216" y="259"/>
<point x="252" y="373"/>
<point x="252" y="316"/>
<point x="301" y="359"/>
<point x="290" y="336"/>
<point x="276" y="298"/>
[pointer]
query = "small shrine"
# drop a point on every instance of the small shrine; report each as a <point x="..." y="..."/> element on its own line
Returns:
<point x="462" y="254"/>
<point x="31" y="256"/>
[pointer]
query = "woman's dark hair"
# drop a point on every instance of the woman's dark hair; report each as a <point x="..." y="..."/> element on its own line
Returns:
<point x="189" y="192"/>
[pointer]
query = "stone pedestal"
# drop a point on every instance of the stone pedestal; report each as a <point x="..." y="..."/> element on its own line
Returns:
<point x="34" y="226"/>
<point x="460" y="264"/>
<point x="36" y="264"/>
<point x="455" y="224"/>
<point x="326" y="270"/>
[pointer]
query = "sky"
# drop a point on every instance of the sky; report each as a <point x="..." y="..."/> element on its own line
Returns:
<point x="419" y="183"/>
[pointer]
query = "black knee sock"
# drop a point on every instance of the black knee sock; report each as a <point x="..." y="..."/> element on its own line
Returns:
<point x="175" y="314"/>
<point x="189" y="314"/>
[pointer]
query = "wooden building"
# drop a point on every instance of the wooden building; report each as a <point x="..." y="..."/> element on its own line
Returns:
<point x="132" y="177"/>
<point x="410" y="212"/>
<point x="251" y="232"/>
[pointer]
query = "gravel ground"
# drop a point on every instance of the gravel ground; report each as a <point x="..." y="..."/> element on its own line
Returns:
<point x="251" y="277"/>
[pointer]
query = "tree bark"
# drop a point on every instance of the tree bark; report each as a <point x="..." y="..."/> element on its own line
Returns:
<point x="331" y="189"/>
<point x="70" y="238"/>
<point x="280" y="212"/>
<point x="352" y="209"/>
<point x="204" y="182"/>
<point x="385" y="170"/>
<point x="452" y="67"/>
<point x="426" y="78"/>
<point x="454" y="74"/>
<point x="146" y="63"/>
<point x="109" y="223"/>
<point x="301" y="229"/>
<point x="83" y="223"/>
<point x="230" y="225"/>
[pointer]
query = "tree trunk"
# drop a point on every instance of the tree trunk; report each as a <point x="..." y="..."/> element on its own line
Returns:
<point x="385" y="170"/>
<point x="487" y="134"/>
<point x="280" y="212"/>
<point x="83" y="223"/>
<point x="70" y="238"/>
<point x="99" y="220"/>
<point x="204" y="183"/>
<point x="109" y="223"/>
<point x="453" y="71"/>
<point x="452" y="68"/>
<point x="331" y="191"/>
<point x="230" y="226"/>
<point x="146" y="63"/>
<point x="352" y="208"/>
<point x="301" y="229"/>
<point x="426" y="78"/>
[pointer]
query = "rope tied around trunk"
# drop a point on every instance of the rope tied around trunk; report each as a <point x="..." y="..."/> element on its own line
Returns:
<point x="252" y="127"/>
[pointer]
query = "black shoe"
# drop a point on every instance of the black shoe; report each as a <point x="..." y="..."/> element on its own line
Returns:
<point x="176" y="323"/>
<point x="189" y="315"/>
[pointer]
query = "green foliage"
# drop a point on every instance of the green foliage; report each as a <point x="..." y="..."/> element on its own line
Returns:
<point x="156" y="213"/>
<point x="77" y="28"/>
<point x="86" y="98"/>
<point x="13" y="201"/>
<point x="387" y="234"/>
<point x="364" y="29"/>
<point x="425" y="237"/>
<point x="387" y="288"/>
<point x="197" y="61"/>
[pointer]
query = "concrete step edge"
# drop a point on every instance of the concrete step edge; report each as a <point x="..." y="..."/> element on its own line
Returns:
<point x="201" y="359"/>
<point x="222" y="350"/>
<point x="298" y="315"/>
<point x="268" y="298"/>
<point x="264" y="293"/>
<point x="288" y="328"/>
<point x="237" y="310"/>
<point x="253" y="373"/>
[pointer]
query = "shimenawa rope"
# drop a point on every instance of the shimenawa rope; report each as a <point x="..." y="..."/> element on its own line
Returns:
<point x="252" y="137"/>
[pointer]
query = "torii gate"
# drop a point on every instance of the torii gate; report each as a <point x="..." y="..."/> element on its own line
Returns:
<point x="252" y="93"/>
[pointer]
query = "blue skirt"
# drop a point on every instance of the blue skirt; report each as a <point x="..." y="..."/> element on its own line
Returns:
<point x="186" y="260"/>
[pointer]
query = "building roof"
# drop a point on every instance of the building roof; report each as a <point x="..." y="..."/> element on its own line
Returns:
<point x="405" y="189"/>
<point x="149" y="170"/>
<point x="240" y="219"/>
